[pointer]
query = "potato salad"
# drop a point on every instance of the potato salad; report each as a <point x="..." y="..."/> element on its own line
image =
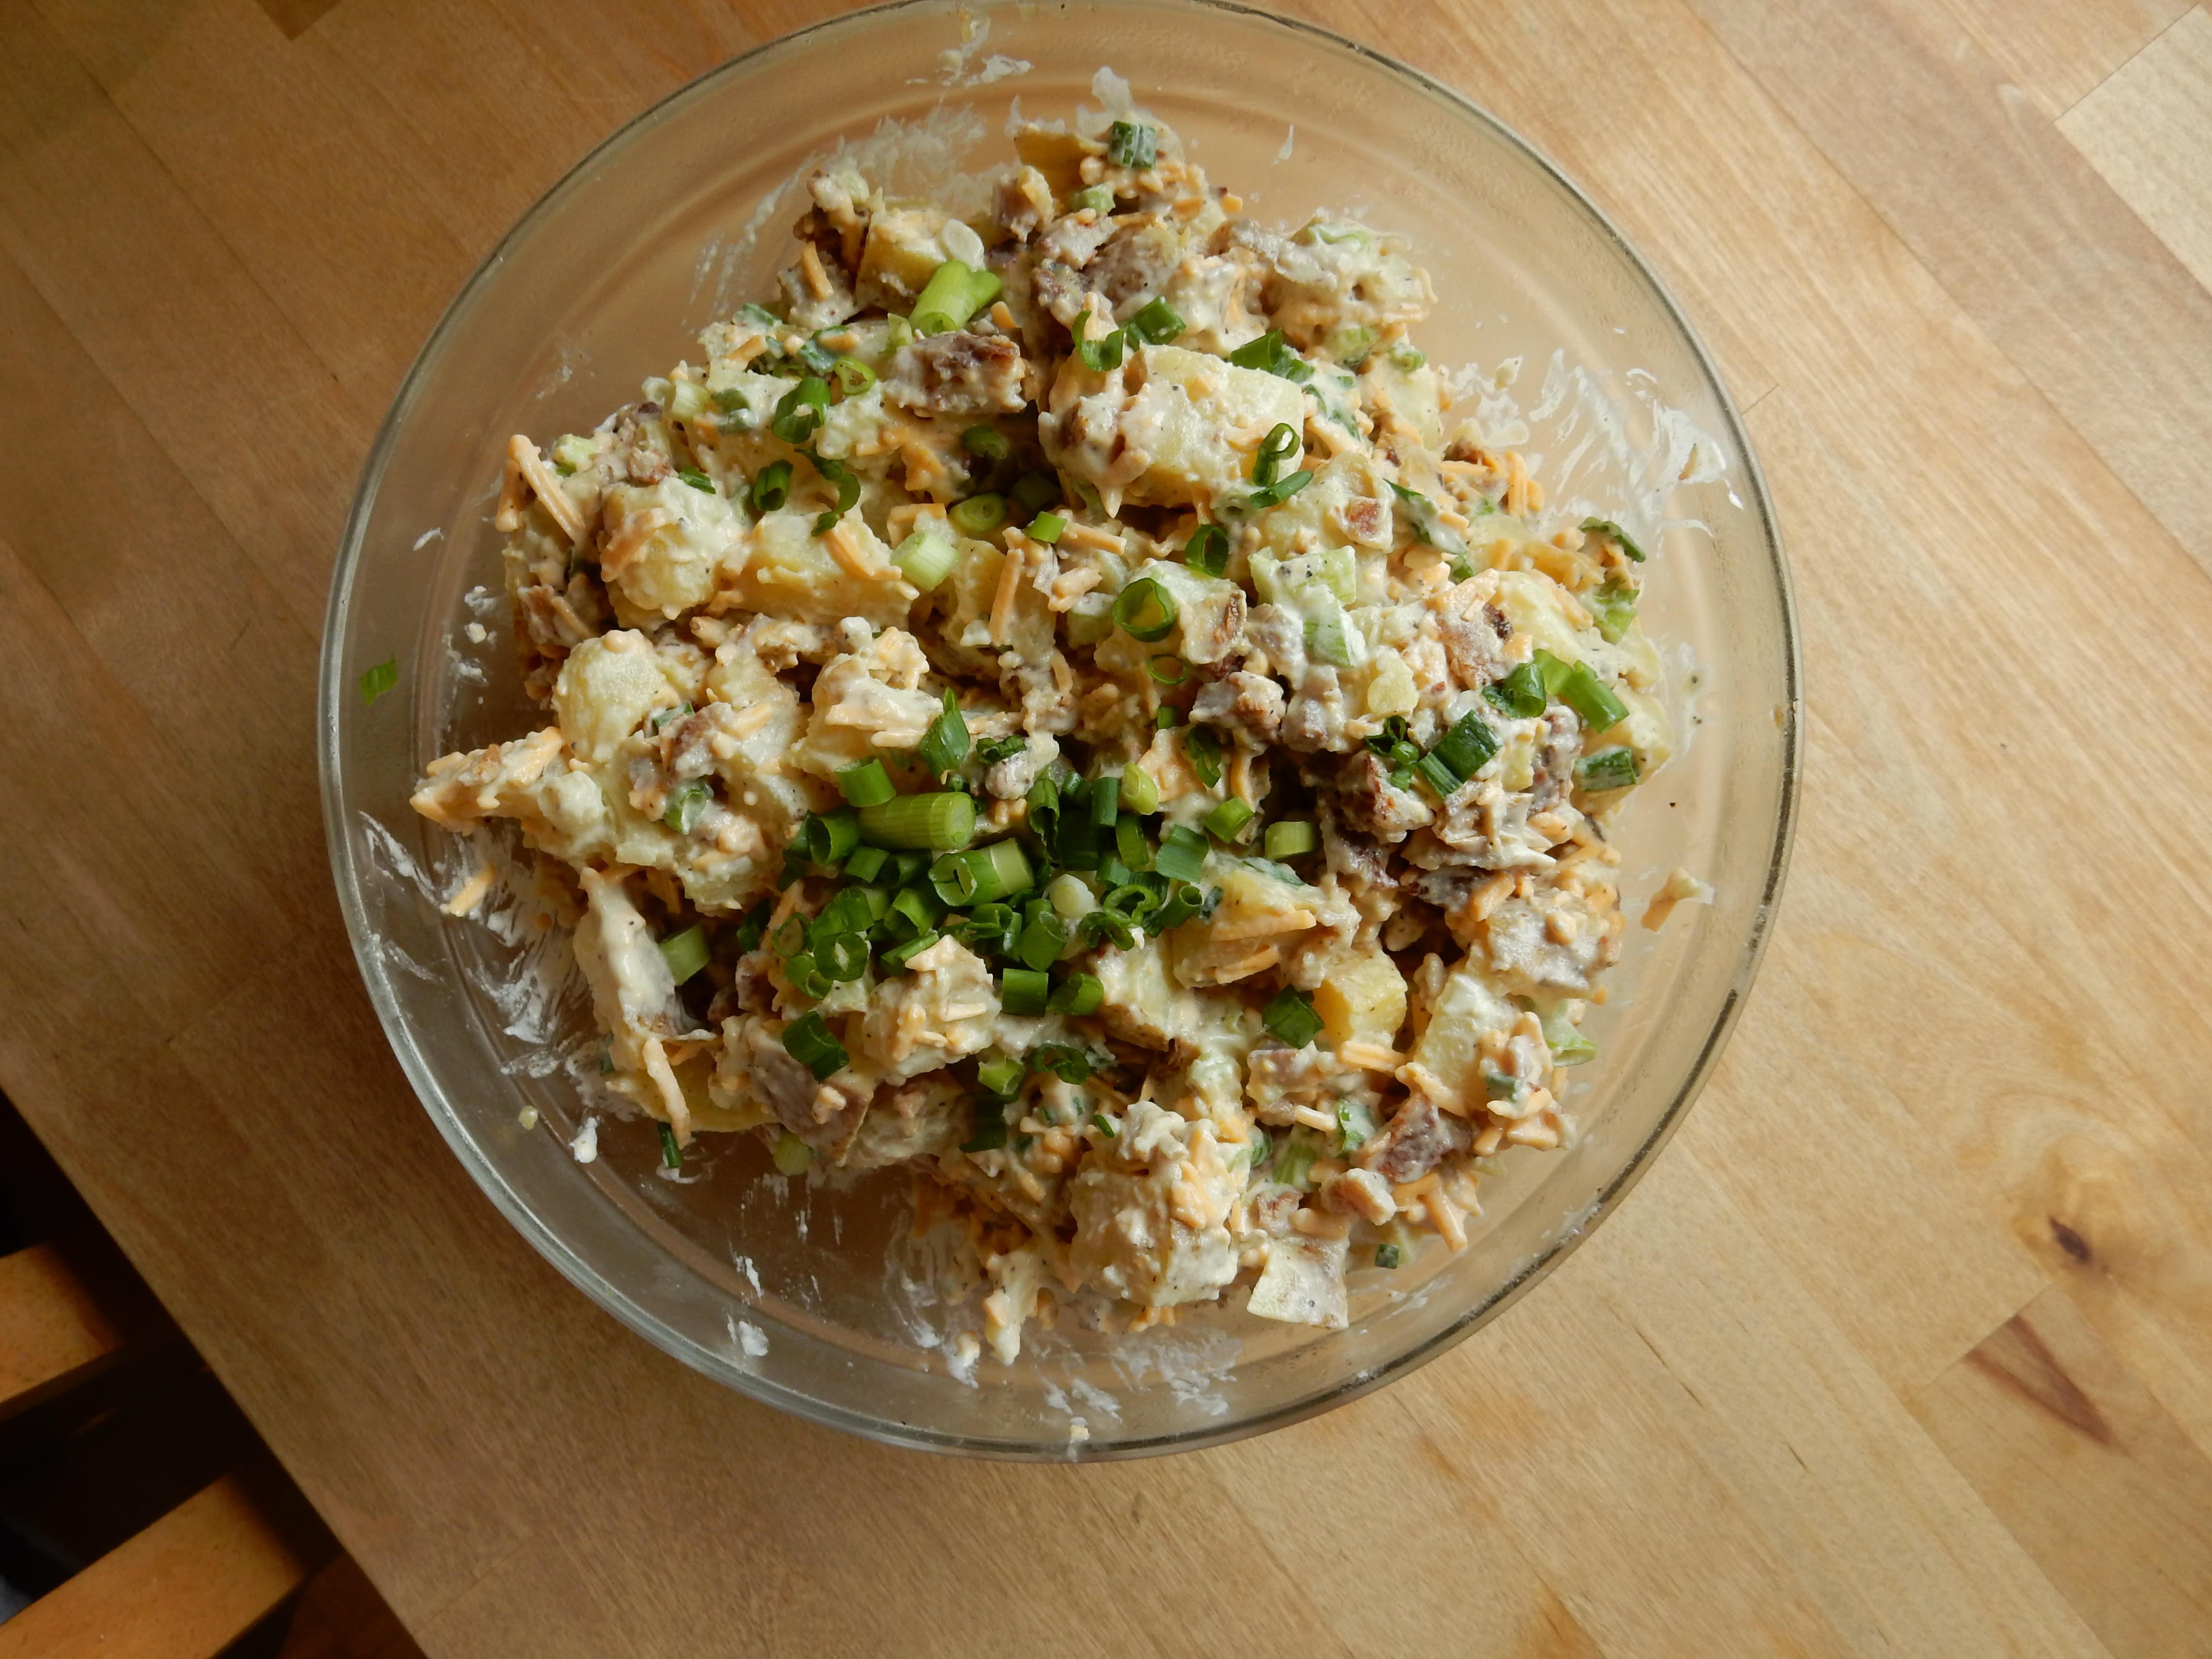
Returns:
<point x="1049" y="699"/>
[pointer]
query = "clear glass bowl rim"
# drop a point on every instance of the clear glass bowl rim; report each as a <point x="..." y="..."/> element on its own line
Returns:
<point x="548" y="1243"/>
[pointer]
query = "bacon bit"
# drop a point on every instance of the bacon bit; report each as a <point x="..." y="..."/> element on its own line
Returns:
<point x="547" y="482"/>
<point x="1002" y="602"/>
<point x="1069" y="587"/>
<point x="1083" y="535"/>
<point x="471" y="893"/>
<point x="1370" y="1056"/>
<point x="856" y="560"/>
<point x="672" y="1092"/>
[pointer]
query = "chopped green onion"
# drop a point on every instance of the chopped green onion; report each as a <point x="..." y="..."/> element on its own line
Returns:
<point x="1520" y="693"/>
<point x="1129" y="842"/>
<point x="866" y="863"/>
<point x="898" y="956"/>
<point x="1183" y="901"/>
<point x="1066" y="1061"/>
<point x="1047" y="527"/>
<point x="1208" y="550"/>
<point x="979" y="515"/>
<point x="925" y="558"/>
<point x="1078" y="995"/>
<point x="815" y="357"/>
<point x="986" y="443"/>
<point x="866" y="783"/>
<point x="952" y="296"/>
<point x="854" y="909"/>
<point x="1168" y="669"/>
<point x="1355" y="1125"/>
<point x="1132" y="145"/>
<point x="1100" y="1122"/>
<point x="1279" y="491"/>
<point x="1497" y="1086"/>
<point x="681" y="711"/>
<point x="806" y="976"/>
<point x="1299" y="1150"/>
<point x="945" y="744"/>
<point x="828" y="836"/>
<point x="1203" y="750"/>
<point x="747" y="938"/>
<point x="847" y="484"/>
<point x="1259" y="1149"/>
<point x="1000" y="869"/>
<point x="1112" y="873"/>
<point x="771" y="486"/>
<point x="1613" y="607"/>
<point x="1165" y="716"/>
<point x="1140" y="791"/>
<point x="1291" y="1017"/>
<point x="790" y="936"/>
<point x="1157" y="324"/>
<point x="1000" y="1076"/>
<point x="844" y="957"/>
<point x="1104" y="925"/>
<point x="801" y="411"/>
<point x="1037" y="490"/>
<point x="1389" y="1256"/>
<point x="1182" y="856"/>
<point x="1405" y="358"/>
<point x="851" y="376"/>
<point x="1467" y="748"/>
<point x="940" y="821"/>
<point x="685" y="953"/>
<point x="1569" y="1047"/>
<point x="1290" y="838"/>
<point x="1024" y="991"/>
<point x="695" y="479"/>
<point x="807" y="1040"/>
<point x="992" y="750"/>
<point x="911" y="915"/>
<point x="1438" y="776"/>
<point x="792" y="1156"/>
<point x="1145" y="610"/>
<point x="1042" y="938"/>
<point x="1098" y="198"/>
<point x="1608" y="527"/>
<point x="990" y="1136"/>
<point x="990" y="930"/>
<point x="687" y="802"/>
<point x="672" y="1155"/>
<point x="1277" y="447"/>
<point x="1592" y="699"/>
<point x="1103" y="353"/>
<point x="1608" y="768"/>
<point x="379" y="680"/>
<point x="1228" y="819"/>
<point x="1105" y="801"/>
<point x="1270" y="354"/>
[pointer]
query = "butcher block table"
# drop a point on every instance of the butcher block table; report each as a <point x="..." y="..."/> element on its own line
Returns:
<point x="1904" y="1345"/>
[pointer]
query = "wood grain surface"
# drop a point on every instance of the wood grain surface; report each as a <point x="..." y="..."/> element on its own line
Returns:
<point x="1904" y="1346"/>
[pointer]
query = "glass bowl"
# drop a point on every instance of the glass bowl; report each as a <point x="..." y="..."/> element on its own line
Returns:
<point x="812" y="1297"/>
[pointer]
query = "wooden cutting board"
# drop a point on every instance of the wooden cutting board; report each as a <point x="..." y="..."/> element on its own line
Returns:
<point x="1902" y="1347"/>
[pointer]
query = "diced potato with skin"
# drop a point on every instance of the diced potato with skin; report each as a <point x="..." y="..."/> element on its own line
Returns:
<point x="1413" y="395"/>
<point x="607" y="688"/>
<point x="1527" y="952"/>
<point x="1209" y="612"/>
<point x="755" y="779"/>
<point x="968" y="597"/>
<point x="904" y="251"/>
<point x="945" y="1006"/>
<point x="794" y="573"/>
<point x="1533" y="604"/>
<point x="662" y="547"/>
<point x="1347" y="504"/>
<point x="1258" y="919"/>
<point x="866" y="701"/>
<point x="1198" y="421"/>
<point x="1057" y="156"/>
<point x="1143" y="1003"/>
<point x="1151" y="1211"/>
<point x="1466" y="1010"/>
<point x="1357" y="991"/>
<point x="1303" y="1284"/>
